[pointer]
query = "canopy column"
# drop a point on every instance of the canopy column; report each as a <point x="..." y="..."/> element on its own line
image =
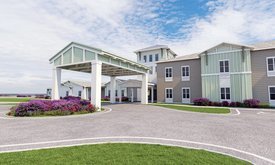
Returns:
<point x="56" y="83"/>
<point x="96" y="83"/>
<point x="119" y="95"/>
<point x="152" y="94"/>
<point x="144" y="89"/>
<point x="113" y="90"/>
<point x="84" y="94"/>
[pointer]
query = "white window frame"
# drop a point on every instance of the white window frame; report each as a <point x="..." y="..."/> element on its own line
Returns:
<point x="156" y="55"/>
<point x="271" y="102"/>
<point x="150" y="58"/>
<point x="224" y="66"/>
<point x="145" y="58"/>
<point x="270" y="73"/>
<point x="225" y="94"/>
<point x="168" y="78"/>
<point x="185" y="78"/>
<point x="169" y="100"/>
<point x="186" y="100"/>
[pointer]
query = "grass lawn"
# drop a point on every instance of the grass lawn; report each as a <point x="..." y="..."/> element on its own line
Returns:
<point x="119" y="153"/>
<point x="14" y="99"/>
<point x="194" y="108"/>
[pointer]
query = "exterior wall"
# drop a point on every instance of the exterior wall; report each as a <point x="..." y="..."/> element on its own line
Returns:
<point x="177" y="84"/>
<point x="260" y="80"/>
<point x="239" y="78"/>
<point x="72" y="92"/>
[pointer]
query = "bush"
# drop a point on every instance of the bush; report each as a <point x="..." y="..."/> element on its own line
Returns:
<point x="69" y="105"/>
<point x="225" y="103"/>
<point x="105" y="98"/>
<point x="201" y="101"/>
<point x="217" y="104"/>
<point x="251" y="103"/>
<point x="264" y="105"/>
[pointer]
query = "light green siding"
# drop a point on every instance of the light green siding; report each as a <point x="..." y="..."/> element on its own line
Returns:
<point x="89" y="55"/>
<point x="210" y="87"/>
<point x="241" y="87"/>
<point x="236" y="62"/>
<point x="78" y="54"/>
<point x="124" y="64"/>
<point x="239" y="72"/>
<point x="67" y="57"/>
<point x="113" y="61"/>
<point x="57" y="61"/>
<point x="103" y="58"/>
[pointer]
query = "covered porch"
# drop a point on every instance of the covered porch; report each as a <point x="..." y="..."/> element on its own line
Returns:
<point x="83" y="58"/>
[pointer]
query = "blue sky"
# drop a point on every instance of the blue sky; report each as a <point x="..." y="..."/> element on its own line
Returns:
<point x="33" y="31"/>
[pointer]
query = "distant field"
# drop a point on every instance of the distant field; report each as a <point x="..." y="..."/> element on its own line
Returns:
<point x="15" y="99"/>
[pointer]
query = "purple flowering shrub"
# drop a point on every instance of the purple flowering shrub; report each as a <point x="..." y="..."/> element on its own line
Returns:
<point x="251" y="103"/>
<point x="66" y="106"/>
<point x="201" y="101"/>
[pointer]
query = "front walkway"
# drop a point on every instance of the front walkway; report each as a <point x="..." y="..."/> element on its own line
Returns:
<point x="248" y="135"/>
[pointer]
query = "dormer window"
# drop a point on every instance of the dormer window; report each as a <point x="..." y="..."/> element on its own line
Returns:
<point x="156" y="57"/>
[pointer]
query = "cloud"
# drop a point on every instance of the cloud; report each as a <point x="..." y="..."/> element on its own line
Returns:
<point x="33" y="31"/>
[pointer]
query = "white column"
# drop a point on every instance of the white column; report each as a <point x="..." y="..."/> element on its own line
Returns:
<point x="119" y="95"/>
<point x="96" y="84"/>
<point x="144" y="89"/>
<point x="152" y="94"/>
<point x="113" y="90"/>
<point x="56" y="83"/>
<point x="84" y="93"/>
<point x="132" y="94"/>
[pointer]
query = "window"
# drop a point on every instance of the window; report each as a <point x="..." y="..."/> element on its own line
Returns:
<point x="185" y="93"/>
<point x="272" y="93"/>
<point x="169" y="93"/>
<point x="156" y="57"/>
<point x="168" y="74"/>
<point x="185" y="73"/>
<point x="79" y="93"/>
<point x="116" y="93"/>
<point x="139" y="57"/>
<point x="150" y="58"/>
<point x="225" y="93"/>
<point x="224" y="66"/>
<point x="109" y="93"/>
<point x="271" y="64"/>
<point x="122" y="93"/>
<point x="67" y="93"/>
<point x="145" y="58"/>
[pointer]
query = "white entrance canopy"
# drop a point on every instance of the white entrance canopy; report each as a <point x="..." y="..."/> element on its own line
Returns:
<point x="83" y="58"/>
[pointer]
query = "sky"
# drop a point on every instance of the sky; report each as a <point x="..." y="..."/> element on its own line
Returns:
<point x="33" y="31"/>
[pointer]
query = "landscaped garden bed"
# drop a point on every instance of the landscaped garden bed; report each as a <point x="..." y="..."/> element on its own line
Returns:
<point x="67" y="106"/>
<point x="118" y="153"/>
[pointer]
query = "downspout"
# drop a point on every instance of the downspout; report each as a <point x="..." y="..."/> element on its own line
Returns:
<point x="161" y="52"/>
<point x="206" y="57"/>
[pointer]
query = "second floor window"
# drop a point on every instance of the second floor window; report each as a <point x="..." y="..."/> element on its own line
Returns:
<point x="150" y="58"/>
<point x="168" y="72"/>
<point x="156" y="57"/>
<point x="185" y="71"/>
<point x="271" y="64"/>
<point x="224" y="66"/>
<point x="145" y="58"/>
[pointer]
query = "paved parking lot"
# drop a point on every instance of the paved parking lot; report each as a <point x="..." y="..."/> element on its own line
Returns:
<point x="249" y="135"/>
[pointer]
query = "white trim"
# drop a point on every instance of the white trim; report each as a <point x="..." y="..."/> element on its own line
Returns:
<point x="229" y="51"/>
<point x="169" y="100"/>
<point x="185" y="100"/>
<point x="270" y="73"/>
<point x="271" y="102"/>
<point x="168" y="78"/>
<point x="185" y="78"/>
<point x="217" y="74"/>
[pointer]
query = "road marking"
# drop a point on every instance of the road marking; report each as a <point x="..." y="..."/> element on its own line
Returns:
<point x="260" y="113"/>
<point x="238" y="112"/>
<point x="140" y="138"/>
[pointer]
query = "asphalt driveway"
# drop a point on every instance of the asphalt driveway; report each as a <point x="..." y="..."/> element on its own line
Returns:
<point x="249" y="135"/>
